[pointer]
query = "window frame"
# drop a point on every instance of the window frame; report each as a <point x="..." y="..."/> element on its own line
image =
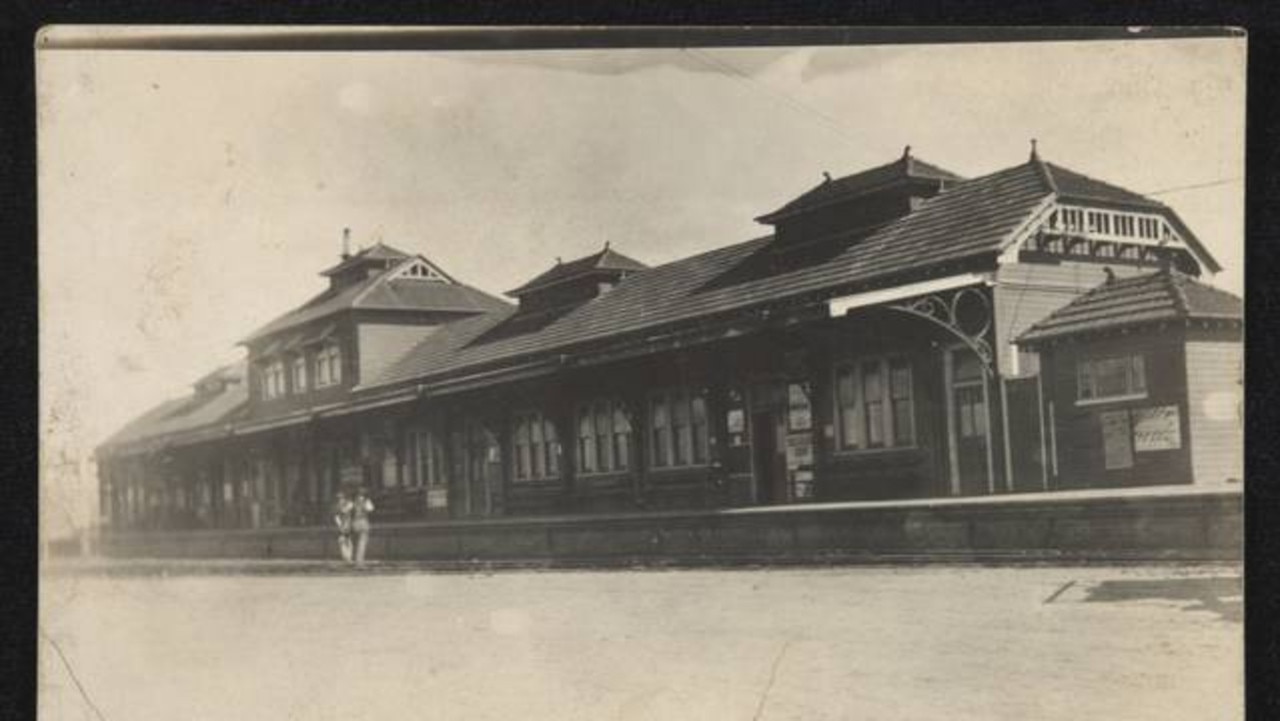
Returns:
<point x="417" y="439"/>
<point x="543" y="449"/>
<point x="1136" y="361"/>
<point x="298" y="375"/>
<point x="327" y="365"/>
<point x="853" y="368"/>
<point x="273" y="379"/>
<point x="699" y="433"/>
<point x="596" y="421"/>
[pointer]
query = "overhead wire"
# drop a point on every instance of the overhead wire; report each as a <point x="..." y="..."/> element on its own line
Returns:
<point x="832" y="124"/>
<point x="1194" y="186"/>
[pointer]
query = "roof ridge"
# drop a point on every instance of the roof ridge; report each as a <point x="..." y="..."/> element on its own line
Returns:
<point x="1045" y="173"/>
<point x="1099" y="181"/>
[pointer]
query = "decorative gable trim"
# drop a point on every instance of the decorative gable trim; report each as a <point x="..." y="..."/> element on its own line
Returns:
<point x="1064" y="226"/>
<point x="418" y="268"/>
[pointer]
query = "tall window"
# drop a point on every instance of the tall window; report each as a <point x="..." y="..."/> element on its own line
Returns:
<point x="425" y="458"/>
<point x="874" y="406"/>
<point x="678" y="424"/>
<point x="535" y="447"/>
<point x="328" y="366"/>
<point x="1111" y="378"/>
<point x="273" y="379"/>
<point x="604" y="437"/>
<point x="298" y="373"/>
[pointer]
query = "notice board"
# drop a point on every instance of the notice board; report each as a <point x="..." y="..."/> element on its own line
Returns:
<point x="1157" y="429"/>
<point x="1117" y="440"/>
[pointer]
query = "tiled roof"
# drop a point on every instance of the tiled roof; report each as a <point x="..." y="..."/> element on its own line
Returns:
<point x="382" y="292"/>
<point x="1165" y="295"/>
<point x="905" y="168"/>
<point x="1072" y="186"/>
<point x="972" y="218"/>
<point x="189" y="413"/>
<point x="1075" y="186"/>
<point x="602" y="261"/>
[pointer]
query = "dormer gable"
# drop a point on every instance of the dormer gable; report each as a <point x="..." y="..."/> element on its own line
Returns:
<point x="567" y="284"/>
<point x="362" y="265"/>
<point x="1089" y="219"/>
<point x="419" y="268"/>
<point x="838" y="207"/>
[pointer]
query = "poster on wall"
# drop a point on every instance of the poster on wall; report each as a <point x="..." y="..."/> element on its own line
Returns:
<point x="736" y="420"/>
<point x="802" y="485"/>
<point x="1117" y="440"/>
<point x="799" y="452"/>
<point x="799" y="415"/>
<point x="1156" y="429"/>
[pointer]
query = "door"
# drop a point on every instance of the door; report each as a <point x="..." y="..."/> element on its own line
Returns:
<point x="476" y="460"/>
<point x="969" y="424"/>
<point x="764" y="456"/>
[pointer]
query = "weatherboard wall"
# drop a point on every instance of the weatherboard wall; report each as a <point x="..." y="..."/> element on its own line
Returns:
<point x="1215" y="407"/>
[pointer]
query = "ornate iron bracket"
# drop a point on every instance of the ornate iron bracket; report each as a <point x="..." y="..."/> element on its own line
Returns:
<point x="944" y="312"/>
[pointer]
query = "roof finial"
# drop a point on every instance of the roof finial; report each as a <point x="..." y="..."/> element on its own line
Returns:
<point x="346" y="243"/>
<point x="606" y="243"/>
<point x="1034" y="155"/>
<point x="906" y="152"/>
<point x="826" y="177"/>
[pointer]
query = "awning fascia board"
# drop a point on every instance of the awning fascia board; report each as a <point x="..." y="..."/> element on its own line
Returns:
<point x="843" y="304"/>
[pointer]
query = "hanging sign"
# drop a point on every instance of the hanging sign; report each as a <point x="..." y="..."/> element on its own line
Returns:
<point x="1156" y="429"/>
<point x="1117" y="440"/>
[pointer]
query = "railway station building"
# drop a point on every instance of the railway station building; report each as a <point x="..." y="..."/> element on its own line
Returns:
<point x="898" y="333"/>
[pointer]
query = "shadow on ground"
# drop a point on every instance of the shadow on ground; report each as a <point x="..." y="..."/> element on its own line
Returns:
<point x="1222" y="595"/>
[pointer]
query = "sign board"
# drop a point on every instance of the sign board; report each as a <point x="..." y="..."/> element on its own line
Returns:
<point x="799" y="451"/>
<point x="799" y="409"/>
<point x="438" y="498"/>
<point x="352" y="475"/>
<point x="1117" y="440"/>
<point x="799" y="419"/>
<point x="1156" y="429"/>
<point x="802" y="484"/>
<point x="737" y="420"/>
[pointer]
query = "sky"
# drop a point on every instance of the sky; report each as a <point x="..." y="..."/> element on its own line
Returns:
<point x="186" y="198"/>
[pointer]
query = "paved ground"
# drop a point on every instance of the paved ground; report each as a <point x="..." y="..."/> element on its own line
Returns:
<point x="1156" y="642"/>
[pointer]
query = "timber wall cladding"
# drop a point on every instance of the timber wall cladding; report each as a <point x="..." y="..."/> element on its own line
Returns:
<point x="1174" y="526"/>
<point x="1214" y="397"/>
<point x="1081" y="451"/>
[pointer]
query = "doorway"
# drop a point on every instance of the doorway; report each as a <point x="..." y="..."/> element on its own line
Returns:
<point x="968" y="423"/>
<point x="764" y="457"/>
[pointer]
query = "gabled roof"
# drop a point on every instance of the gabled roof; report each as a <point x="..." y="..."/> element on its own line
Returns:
<point x="188" y="414"/>
<point x="832" y="190"/>
<point x="1071" y="185"/>
<point x="1165" y="295"/>
<point x="377" y="252"/>
<point x="384" y="292"/>
<point x="604" y="261"/>
<point x="973" y="218"/>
